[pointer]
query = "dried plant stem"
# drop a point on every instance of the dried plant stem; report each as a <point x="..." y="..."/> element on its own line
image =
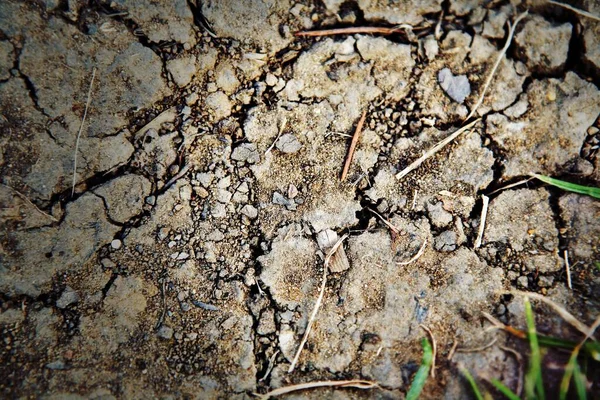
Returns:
<point x="477" y="349"/>
<point x="386" y="222"/>
<point x="356" y="383"/>
<point x="564" y="314"/>
<point x="353" y="30"/>
<point x="313" y="315"/>
<point x="484" y="210"/>
<point x="434" y="346"/>
<point x="281" y="128"/>
<point x="26" y="200"/>
<point x="85" y="111"/>
<point x="568" y="268"/>
<point x="353" y="144"/>
<point x="497" y="63"/>
<point x="510" y="186"/>
<point x="575" y="10"/>
<point x="416" y="256"/>
<point x="415" y="164"/>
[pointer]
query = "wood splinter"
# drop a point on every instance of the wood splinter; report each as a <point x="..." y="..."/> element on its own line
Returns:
<point x="353" y="144"/>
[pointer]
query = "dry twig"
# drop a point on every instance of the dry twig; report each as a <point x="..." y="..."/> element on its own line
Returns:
<point x="356" y="383"/>
<point x="497" y="63"/>
<point x="511" y="185"/>
<point x="313" y="315"/>
<point x="575" y="10"/>
<point x="353" y="144"/>
<point x="281" y="128"/>
<point x="452" y="350"/>
<point x="85" y="111"/>
<point x="477" y="349"/>
<point x="484" y="209"/>
<point x="434" y="345"/>
<point x="415" y="164"/>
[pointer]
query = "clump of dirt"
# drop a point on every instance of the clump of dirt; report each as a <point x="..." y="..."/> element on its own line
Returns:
<point x="189" y="258"/>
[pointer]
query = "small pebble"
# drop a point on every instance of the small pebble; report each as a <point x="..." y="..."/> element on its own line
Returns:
<point x="116" y="244"/>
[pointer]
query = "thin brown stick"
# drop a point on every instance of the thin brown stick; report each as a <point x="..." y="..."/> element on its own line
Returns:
<point x="85" y="111"/>
<point x="497" y="63"/>
<point x="354" y="29"/>
<point x="26" y="200"/>
<point x="177" y="177"/>
<point x="313" y="315"/>
<point x="434" y="345"/>
<point x="356" y="383"/>
<point x="415" y="164"/>
<point x="386" y="222"/>
<point x="353" y="144"/>
<point x="575" y="10"/>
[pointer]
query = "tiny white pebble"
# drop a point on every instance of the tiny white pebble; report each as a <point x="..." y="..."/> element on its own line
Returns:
<point x="116" y="244"/>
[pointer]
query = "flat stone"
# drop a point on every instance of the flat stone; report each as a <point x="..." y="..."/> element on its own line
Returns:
<point x="182" y="70"/>
<point x="288" y="143"/>
<point x="457" y="87"/>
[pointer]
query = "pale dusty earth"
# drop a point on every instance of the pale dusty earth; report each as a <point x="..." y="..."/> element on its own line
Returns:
<point x="190" y="255"/>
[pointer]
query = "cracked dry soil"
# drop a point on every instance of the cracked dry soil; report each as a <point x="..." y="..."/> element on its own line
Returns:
<point x="187" y="262"/>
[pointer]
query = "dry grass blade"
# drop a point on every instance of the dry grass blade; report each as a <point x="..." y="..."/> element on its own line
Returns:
<point x="85" y="111"/>
<point x="386" y="222"/>
<point x="353" y="30"/>
<point x="484" y="209"/>
<point x="177" y="177"/>
<point x="496" y="64"/>
<point x="281" y="128"/>
<point x="512" y="185"/>
<point x="353" y="144"/>
<point x="477" y="349"/>
<point x="29" y="202"/>
<point x="568" y="269"/>
<point x="575" y="10"/>
<point x="270" y="367"/>
<point x="415" y="164"/>
<point x="567" y="316"/>
<point x="434" y="347"/>
<point x="416" y="256"/>
<point x="313" y="315"/>
<point x="356" y="383"/>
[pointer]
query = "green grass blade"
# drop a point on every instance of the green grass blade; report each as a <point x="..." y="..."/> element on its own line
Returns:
<point x="571" y="187"/>
<point x="566" y="380"/>
<point x="421" y="376"/>
<point x="579" y="380"/>
<point x="597" y="264"/>
<point x="502" y="388"/>
<point x="533" y="379"/>
<point x="590" y="348"/>
<point x="472" y="382"/>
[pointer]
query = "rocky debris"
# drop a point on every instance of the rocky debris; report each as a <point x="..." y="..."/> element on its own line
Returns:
<point x="160" y="22"/>
<point x="288" y="144"/>
<point x="219" y="104"/>
<point x="493" y="27"/>
<point x="246" y="152"/>
<point x="225" y="77"/>
<point x="392" y="64"/>
<point x="182" y="70"/>
<point x="535" y="142"/>
<point x="591" y="35"/>
<point x="544" y="45"/>
<point x="457" y="87"/>
<point x="69" y="296"/>
<point x="250" y="211"/>
<point x="58" y="248"/>
<point x="157" y="153"/>
<point x="580" y="214"/>
<point x="255" y="21"/>
<point x="399" y="13"/>
<point x="446" y="241"/>
<point x="165" y="332"/>
<point x="437" y="215"/>
<point x="124" y="196"/>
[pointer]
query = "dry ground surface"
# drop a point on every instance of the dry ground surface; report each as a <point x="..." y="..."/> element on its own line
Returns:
<point x="207" y="193"/>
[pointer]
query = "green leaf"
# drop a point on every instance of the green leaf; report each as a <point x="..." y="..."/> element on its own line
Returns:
<point x="571" y="187"/>
<point x="579" y="380"/>
<point x="502" y="388"/>
<point x="534" y="386"/>
<point x="421" y="376"/>
<point x="472" y="382"/>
